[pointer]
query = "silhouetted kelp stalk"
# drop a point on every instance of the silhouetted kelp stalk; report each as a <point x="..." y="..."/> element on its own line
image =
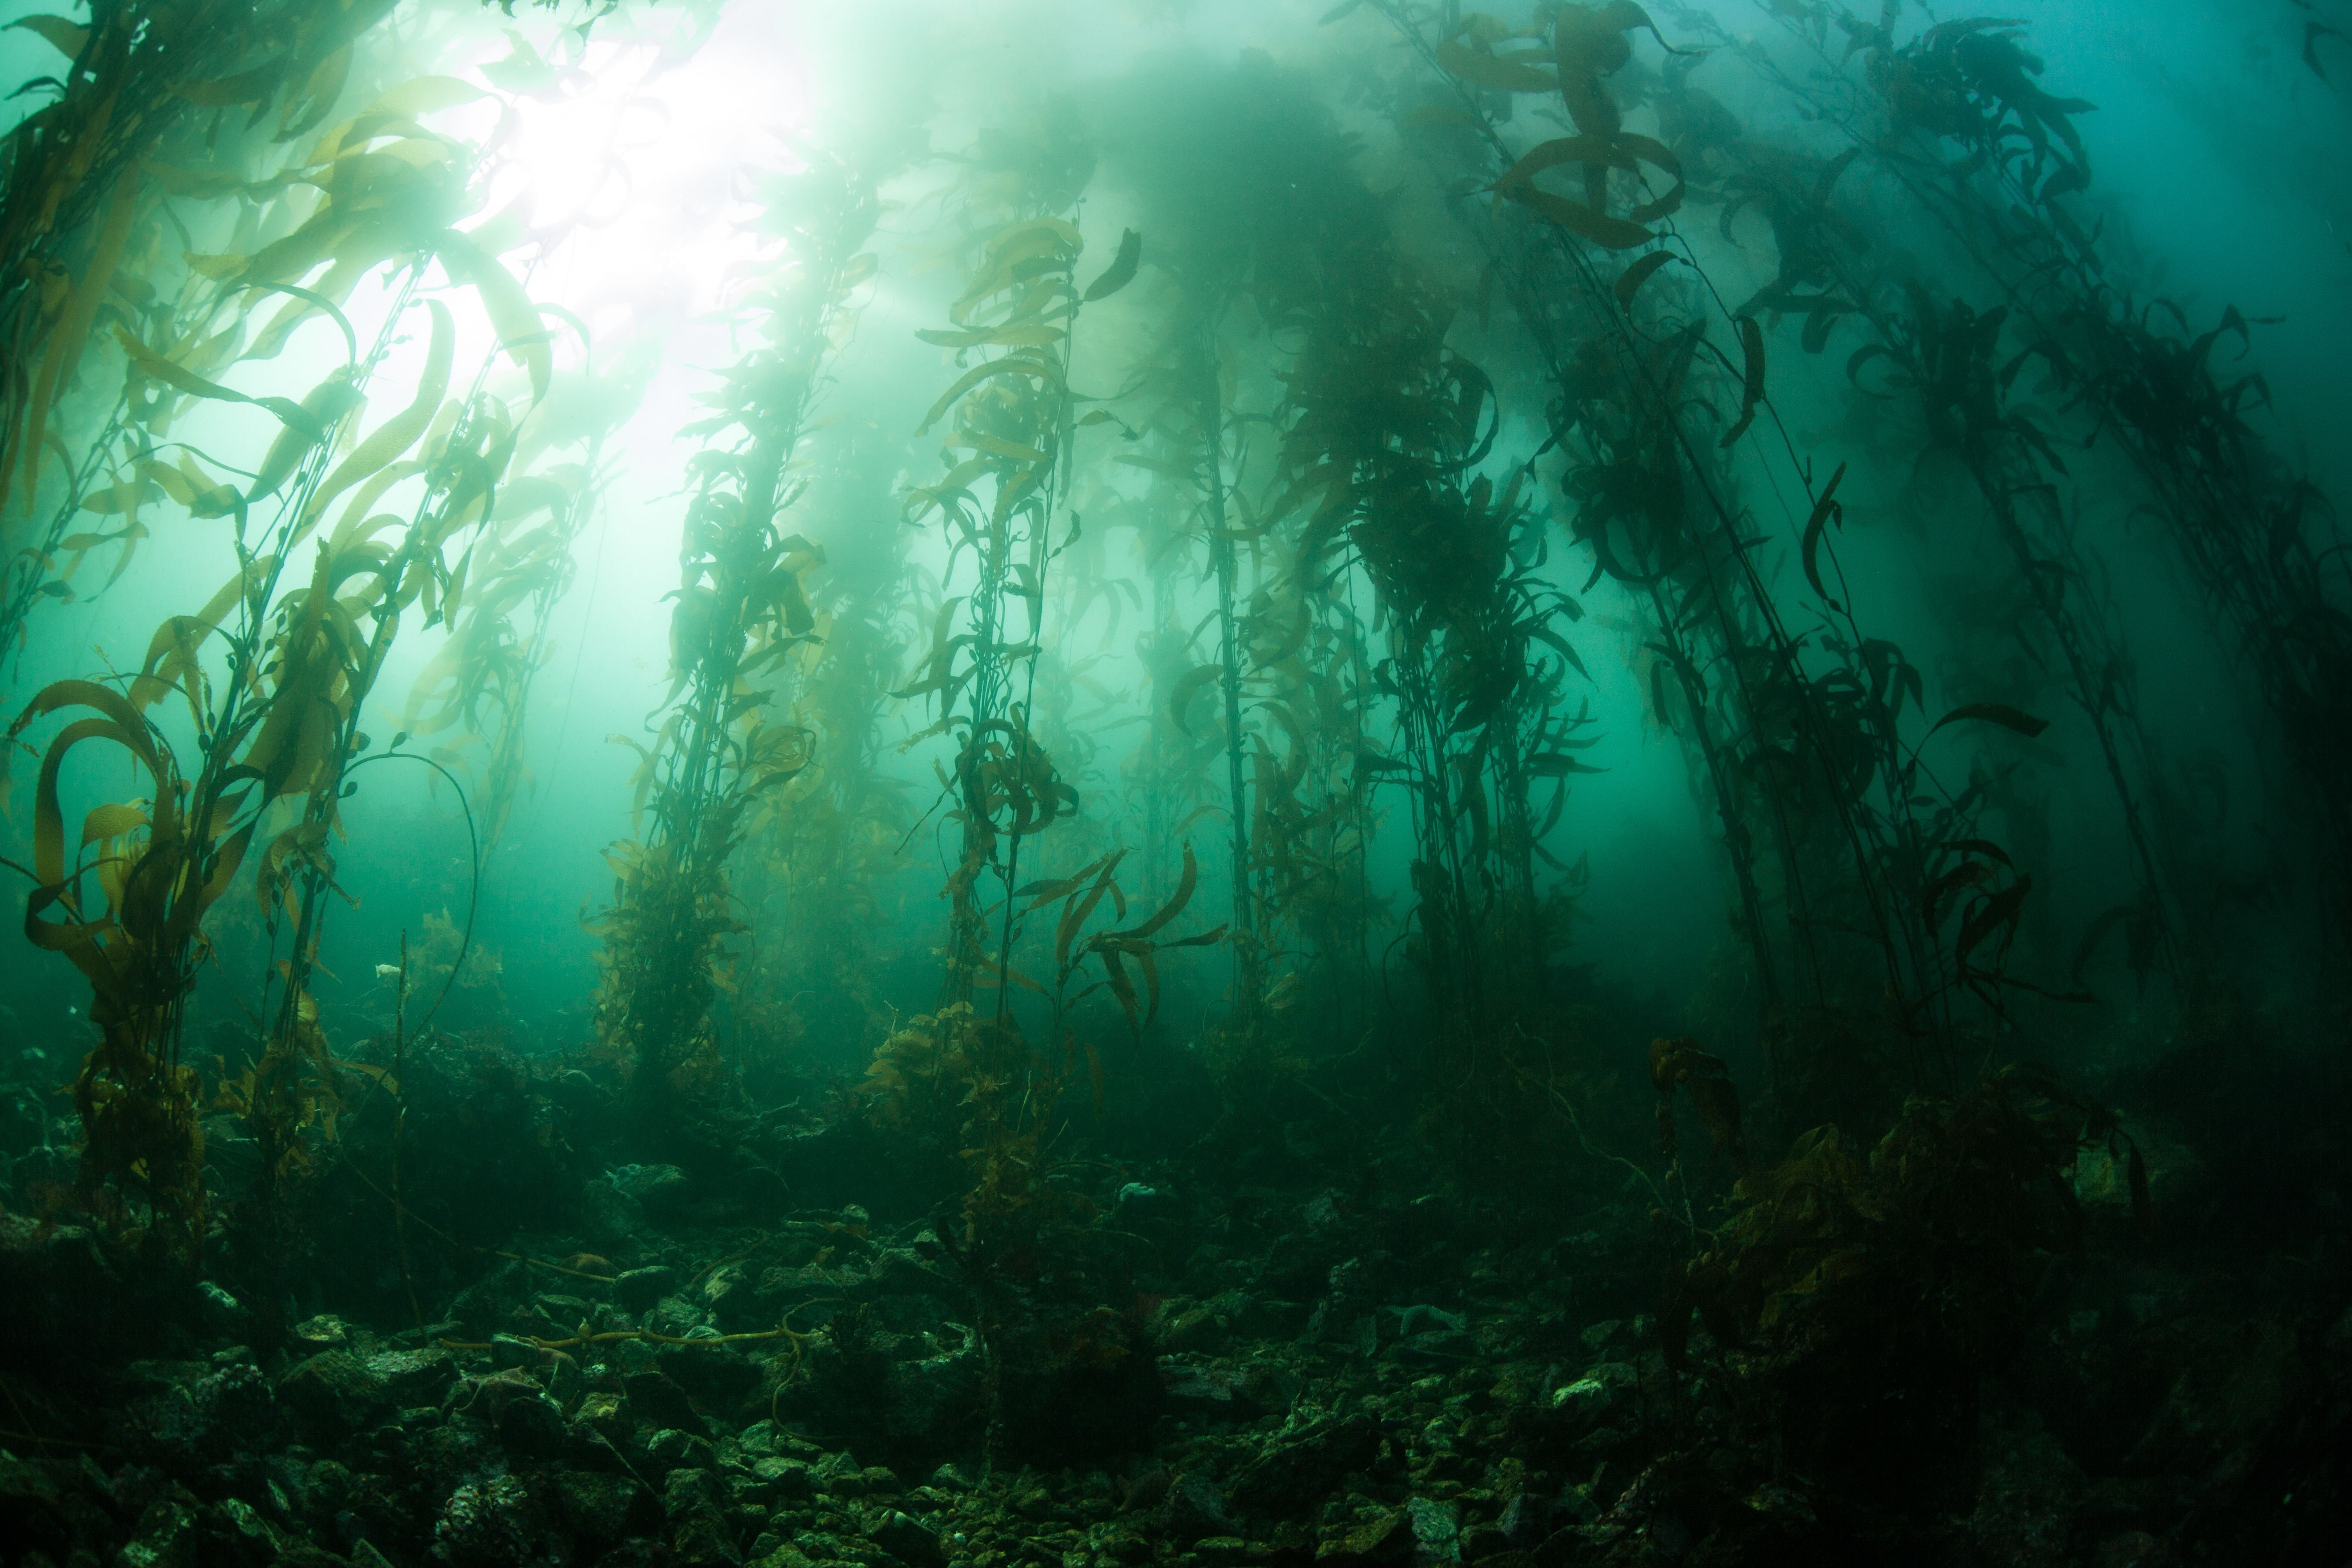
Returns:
<point x="1794" y="756"/>
<point x="742" y="611"/>
<point x="2250" y="532"/>
<point x="1970" y="81"/>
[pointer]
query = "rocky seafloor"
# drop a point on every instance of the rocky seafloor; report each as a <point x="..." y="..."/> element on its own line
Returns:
<point x="1201" y="1371"/>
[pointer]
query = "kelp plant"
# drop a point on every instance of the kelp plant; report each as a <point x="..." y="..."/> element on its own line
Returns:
<point x="741" y="610"/>
<point x="275" y="733"/>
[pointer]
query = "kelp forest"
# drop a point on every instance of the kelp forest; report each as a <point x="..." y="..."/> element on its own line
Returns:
<point x="1174" y="784"/>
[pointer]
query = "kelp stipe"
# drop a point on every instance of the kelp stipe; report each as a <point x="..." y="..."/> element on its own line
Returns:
<point x="740" y="612"/>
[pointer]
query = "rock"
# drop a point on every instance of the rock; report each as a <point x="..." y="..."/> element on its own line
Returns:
<point x="166" y="1536"/>
<point x="695" y="1508"/>
<point x="224" y="1315"/>
<point x="1436" y="1529"/>
<point x="657" y="1402"/>
<point x="1137" y="1200"/>
<point x="908" y="1541"/>
<point x="639" y="1288"/>
<point x="1593" y="1399"/>
<point x="248" y="1537"/>
<point x="715" y="1375"/>
<point x="413" y="1377"/>
<point x="324" y="1332"/>
<point x="600" y="1509"/>
<point x="196" y="1412"/>
<point x="659" y="1189"/>
<point x="334" y="1392"/>
<point x="531" y="1426"/>
<point x="683" y="1449"/>
<point x="1523" y="1521"/>
<point x="1386" y="1541"/>
<point x="785" y="1482"/>
<point x="1292" y="1478"/>
<point x="485" y="1524"/>
<point x="948" y="1479"/>
<point x="31" y="1519"/>
<point x="1203" y="1385"/>
<point x="1196" y="1508"/>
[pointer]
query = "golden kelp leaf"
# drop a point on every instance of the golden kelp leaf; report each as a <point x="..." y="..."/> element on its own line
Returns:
<point x="1010" y="365"/>
<point x="1493" y="70"/>
<point x="1121" y="271"/>
<point x="1629" y="282"/>
<point x="111" y="821"/>
<point x="66" y="37"/>
<point x="309" y="104"/>
<point x="510" y="309"/>
<point x="326" y="405"/>
<point x="1609" y="233"/>
<point x="422" y="95"/>
<point x="63" y="355"/>
<point x="247" y="87"/>
<point x="1029" y="335"/>
<point x="392" y="439"/>
<point x="220" y="269"/>
<point x="155" y="367"/>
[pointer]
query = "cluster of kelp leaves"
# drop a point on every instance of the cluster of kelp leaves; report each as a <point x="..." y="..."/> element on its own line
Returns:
<point x="1848" y="1279"/>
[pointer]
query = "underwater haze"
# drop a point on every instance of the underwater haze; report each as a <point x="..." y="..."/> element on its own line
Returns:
<point x="962" y="784"/>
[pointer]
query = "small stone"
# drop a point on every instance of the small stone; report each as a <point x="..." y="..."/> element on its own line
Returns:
<point x="639" y="1288"/>
<point x="788" y="1481"/>
<point x="1384" y="1540"/>
<point x="672" y="1447"/>
<point x="1436" y="1529"/>
<point x="948" y="1478"/>
<point x="908" y="1541"/>
<point x="1196" y="1509"/>
<point x="166" y="1538"/>
<point x="324" y="1331"/>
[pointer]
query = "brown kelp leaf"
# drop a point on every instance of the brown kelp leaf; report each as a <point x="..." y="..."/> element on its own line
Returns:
<point x="512" y="313"/>
<point x="1609" y="233"/>
<point x="1029" y="334"/>
<point x="326" y="405"/>
<point x="155" y="367"/>
<point x="1010" y="365"/>
<point x="1121" y="271"/>
<point x="1826" y="510"/>
<point x="1997" y="912"/>
<point x="1751" y="392"/>
<point x="67" y="339"/>
<point x="392" y="439"/>
<point x="1176" y="901"/>
<point x="66" y="37"/>
<point x="1188" y="686"/>
<point x="2000" y="713"/>
<point x="1630" y="281"/>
